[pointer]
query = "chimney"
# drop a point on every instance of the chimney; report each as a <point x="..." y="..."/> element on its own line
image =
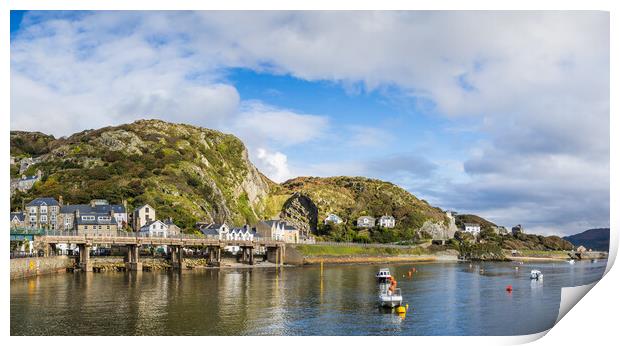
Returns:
<point x="60" y="200"/>
<point x="92" y="203"/>
<point x="125" y="204"/>
<point x="77" y="213"/>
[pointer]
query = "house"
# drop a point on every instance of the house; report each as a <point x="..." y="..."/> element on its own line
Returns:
<point x="518" y="229"/>
<point x="154" y="229"/>
<point x="26" y="162"/>
<point x="387" y="221"/>
<point x="25" y="183"/>
<point x="94" y="222"/>
<point x="43" y="212"/>
<point x="244" y="233"/>
<point x="270" y="229"/>
<point x="96" y="206"/>
<point x="365" y="221"/>
<point x="277" y="230"/>
<point x="500" y="230"/>
<point x="332" y="218"/>
<point x="581" y="249"/>
<point x="472" y="228"/>
<point x="141" y="216"/>
<point x="18" y="219"/>
<point x="291" y="234"/>
<point x="172" y="228"/>
<point x="216" y="230"/>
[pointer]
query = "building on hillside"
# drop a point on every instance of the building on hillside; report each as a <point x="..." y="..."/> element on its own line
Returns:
<point x="18" y="219"/>
<point x="141" y="216"/>
<point x="215" y="230"/>
<point x="172" y="228"/>
<point x="43" y="213"/>
<point x="500" y="230"/>
<point x="365" y="221"/>
<point x="581" y="249"/>
<point x="518" y="229"/>
<point x="94" y="222"/>
<point x="472" y="228"/>
<point x="96" y="206"/>
<point x="26" y="162"/>
<point x="154" y="229"/>
<point x="25" y="183"/>
<point x="333" y="219"/>
<point x="387" y="221"/>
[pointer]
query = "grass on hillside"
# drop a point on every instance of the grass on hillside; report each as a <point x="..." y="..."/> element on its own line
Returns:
<point x="331" y="250"/>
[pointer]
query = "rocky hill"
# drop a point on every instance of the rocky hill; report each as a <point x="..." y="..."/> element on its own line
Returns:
<point x="596" y="239"/>
<point x="195" y="174"/>
<point x="185" y="172"/>
<point x="351" y="197"/>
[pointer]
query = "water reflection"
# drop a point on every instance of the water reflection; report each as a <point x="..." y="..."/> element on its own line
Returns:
<point x="443" y="298"/>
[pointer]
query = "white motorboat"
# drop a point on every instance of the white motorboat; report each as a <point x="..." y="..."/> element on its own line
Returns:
<point x="536" y="275"/>
<point x="383" y="275"/>
<point x="571" y="261"/>
<point x="390" y="299"/>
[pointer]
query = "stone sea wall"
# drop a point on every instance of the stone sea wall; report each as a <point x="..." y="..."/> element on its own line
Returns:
<point x="26" y="267"/>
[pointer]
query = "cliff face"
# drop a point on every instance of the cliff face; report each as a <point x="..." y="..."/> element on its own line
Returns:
<point x="185" y="172"/>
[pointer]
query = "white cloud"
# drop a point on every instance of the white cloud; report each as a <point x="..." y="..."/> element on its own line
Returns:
<point x="261" y="122"/>
<point x="273" y="164"/>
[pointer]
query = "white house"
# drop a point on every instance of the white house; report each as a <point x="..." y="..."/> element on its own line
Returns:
<point x="216" y="230"/>
<point x="155" y="229"/>
<point x="332" y="218"/>
<point x="472" y="228"/>
<point x="387" y="221"/>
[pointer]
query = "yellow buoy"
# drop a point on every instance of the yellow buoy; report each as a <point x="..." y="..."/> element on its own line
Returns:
<point x="401" y="309"/>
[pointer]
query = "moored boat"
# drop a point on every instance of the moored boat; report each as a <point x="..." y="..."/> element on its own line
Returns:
<point x="536" y="275"/>
<point x="389" y="295"/>
<point x="383" y="275"/>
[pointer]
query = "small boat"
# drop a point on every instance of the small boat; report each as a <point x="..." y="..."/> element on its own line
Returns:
<point x="536" y="275"/>
<point x="390" y="299"/>
<point x="571" y="261"/>
<point x="383" y="275"/>
<point x="389" y="295"/>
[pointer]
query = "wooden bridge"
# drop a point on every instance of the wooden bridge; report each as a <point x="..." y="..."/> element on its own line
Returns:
<point x="133" y="241"/>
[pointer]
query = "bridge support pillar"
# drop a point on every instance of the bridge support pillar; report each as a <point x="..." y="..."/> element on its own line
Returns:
<point x="176" y="256"/>
<point x="275" y="254"/>
<point x="133" y="258"/>
<point x="85" y="264"/>
<point x="251" y="255"/>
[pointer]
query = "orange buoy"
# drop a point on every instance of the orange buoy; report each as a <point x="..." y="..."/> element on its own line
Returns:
<point x="509" y="288"/>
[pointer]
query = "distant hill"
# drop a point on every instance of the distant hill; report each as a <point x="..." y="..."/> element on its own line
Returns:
<point x="596" y="239"/>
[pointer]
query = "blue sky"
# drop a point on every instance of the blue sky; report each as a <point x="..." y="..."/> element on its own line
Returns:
<point x="465" y="113"/>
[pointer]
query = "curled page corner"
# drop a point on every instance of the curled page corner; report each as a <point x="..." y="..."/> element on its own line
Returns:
<point x="570" y="296"/>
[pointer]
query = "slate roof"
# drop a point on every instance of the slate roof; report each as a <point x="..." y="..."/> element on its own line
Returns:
<point x="20" y="216"/>
<point x="96" y="221"/>
<point x="37" y="202"/>
<point x="87" y="208"/>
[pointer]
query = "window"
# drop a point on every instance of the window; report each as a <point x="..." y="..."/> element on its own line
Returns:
<point x="108" y="226"/>
<point x="146" y="210"/>
<point x="33" y="210"/>
<point x="103" y="218"/>
<point x="43" y="218"/>
<point x="88" y="218"/>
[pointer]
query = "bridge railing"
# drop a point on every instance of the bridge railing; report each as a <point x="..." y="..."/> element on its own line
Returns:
<point x="144" y="235"/>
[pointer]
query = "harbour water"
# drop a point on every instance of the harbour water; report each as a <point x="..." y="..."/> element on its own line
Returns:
<point x="443" y="298"/>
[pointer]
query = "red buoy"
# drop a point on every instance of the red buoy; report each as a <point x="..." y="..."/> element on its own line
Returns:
<point x="509" y="288"/>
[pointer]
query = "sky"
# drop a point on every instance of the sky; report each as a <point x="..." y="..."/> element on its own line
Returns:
<point x="500" y="114"/>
